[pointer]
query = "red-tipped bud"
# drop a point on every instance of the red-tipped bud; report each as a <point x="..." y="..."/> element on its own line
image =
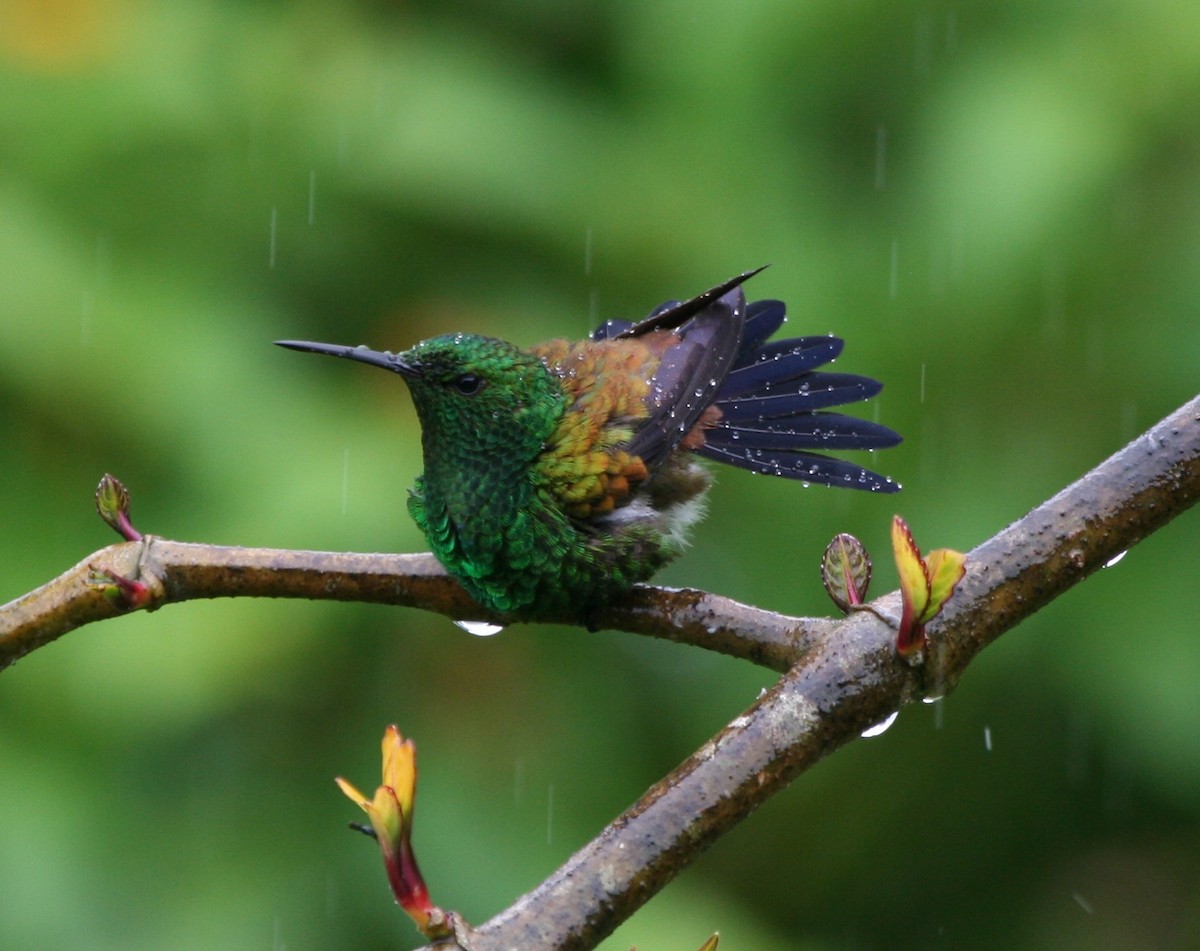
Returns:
<point x="391" y="813"/>
<point x="112" y="502"/>
<point x="926" y="584"/>
<point x="125" y="593"/>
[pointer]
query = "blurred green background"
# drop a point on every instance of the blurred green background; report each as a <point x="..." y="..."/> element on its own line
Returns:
<point x="997" y="204"/>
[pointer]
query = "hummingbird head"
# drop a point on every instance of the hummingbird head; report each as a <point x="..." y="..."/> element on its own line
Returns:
<point x="479" y="399"/>
<point x="481" y="392"/>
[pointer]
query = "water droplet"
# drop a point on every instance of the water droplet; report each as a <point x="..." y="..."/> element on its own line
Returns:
<point x="480" y="628"/>
<point x="987" y="738"/>
<point x="880" y="728"/>
<point x="1116" y="558"/>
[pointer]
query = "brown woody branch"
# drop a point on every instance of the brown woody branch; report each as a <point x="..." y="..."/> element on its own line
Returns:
<point x="181" y="571"/>
<point x="849" y="681"/>
<point x="841" y="676"/>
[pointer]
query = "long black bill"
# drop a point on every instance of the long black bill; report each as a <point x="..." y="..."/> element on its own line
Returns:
<point x="376" y="358"/>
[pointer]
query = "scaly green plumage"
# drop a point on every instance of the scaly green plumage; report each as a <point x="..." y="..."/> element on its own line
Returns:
<point x="520" y="474"/>
<point x="557" y="477"/>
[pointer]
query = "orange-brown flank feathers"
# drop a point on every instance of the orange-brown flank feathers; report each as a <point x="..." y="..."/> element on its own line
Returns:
<point x="608" y="386"/>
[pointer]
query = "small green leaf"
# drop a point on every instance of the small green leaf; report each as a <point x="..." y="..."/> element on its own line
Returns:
<point x="846" y="571"/>
<point x="914" y="581"/>
<point x="946" y="568"/>
<point x="926" y="584"/>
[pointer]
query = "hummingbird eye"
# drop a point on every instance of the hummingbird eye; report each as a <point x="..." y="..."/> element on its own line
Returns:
<point x="468" y="384"/>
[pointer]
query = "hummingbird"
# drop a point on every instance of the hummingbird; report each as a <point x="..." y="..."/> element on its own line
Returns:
<point x="558" y="476"/>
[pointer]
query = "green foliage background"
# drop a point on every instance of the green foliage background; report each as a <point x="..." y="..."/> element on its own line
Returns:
<point x="997" y="204"/>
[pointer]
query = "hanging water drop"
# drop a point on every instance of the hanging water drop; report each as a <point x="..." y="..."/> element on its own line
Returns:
<point x="480" y="628"/>
<point x="880" y="728"/>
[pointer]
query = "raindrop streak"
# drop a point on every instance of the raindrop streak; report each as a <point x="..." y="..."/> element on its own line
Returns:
<point x="331" y="897"/>
<point x="894" y="276"/>
<point x="1116" y="558"/>
<point x="1128" y="421"/>
<point x="97" y="290"/>
<point x="587" y="253"/>
<point x="312" y="195"/>
<point x="550" y="814"/>
<point x="102" y="263"/>
<point x="85" y="320"/>
<point x="1083" y="903"/>
<point x="923" y="365"/>
<point x="923" y="51"/>
<point x="880" y="155"/>
<point x="271" y="252"/>
<point x="345" y="478"/>
<point x="881" y="727"/>
<point x="987" y="738"/>
<point x="480" y="628"/>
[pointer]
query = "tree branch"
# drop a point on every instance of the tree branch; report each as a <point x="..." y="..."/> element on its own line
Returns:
<point x="180" y="571"/>
<point x="846" y="675"/>
<point x="852" y="680"/>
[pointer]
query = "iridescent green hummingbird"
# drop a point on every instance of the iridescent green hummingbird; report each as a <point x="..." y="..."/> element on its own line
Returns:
<point x="558" y="476"/>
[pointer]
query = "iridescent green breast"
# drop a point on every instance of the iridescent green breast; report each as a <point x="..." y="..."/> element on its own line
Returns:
<point x="570" y="518"/>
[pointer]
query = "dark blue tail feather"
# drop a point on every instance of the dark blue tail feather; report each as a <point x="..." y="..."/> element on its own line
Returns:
<point x="771" y="405"/>
<point x="763" y="318"/>
<point x="806" y="466"/>
<point x="773" y="400"/>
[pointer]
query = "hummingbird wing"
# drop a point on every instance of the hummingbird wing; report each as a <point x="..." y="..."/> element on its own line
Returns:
<point x="695" y="345"/>
<point x="769" y="412"/>
<point x="772" y="409"/>
<point x="634" y="393"/>
<point x="701" y="375"/>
